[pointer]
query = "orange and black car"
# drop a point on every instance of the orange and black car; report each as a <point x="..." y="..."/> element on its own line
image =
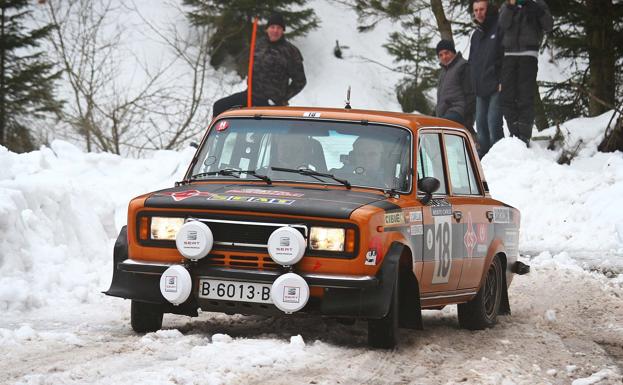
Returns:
<point x="341" y="213"/>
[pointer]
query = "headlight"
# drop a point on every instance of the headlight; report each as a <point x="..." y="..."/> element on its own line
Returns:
<point x="165" y="228"/>
<point x="326" y="238"/>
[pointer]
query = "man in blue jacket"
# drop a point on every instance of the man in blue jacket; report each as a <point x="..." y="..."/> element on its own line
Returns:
<point x="523" y="24"/>
<point x="485" y="60"/>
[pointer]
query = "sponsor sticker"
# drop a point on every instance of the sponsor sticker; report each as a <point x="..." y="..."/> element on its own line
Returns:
<point x="483" y="232"/>
<point x="291" y="294"/>
<point x="274" y="193"/>
<point x="181" y="195"/>
<point x="415" y="216"/>
<point x="371" y="257"/>
<point x="396" y="218"/>
<point x="441" y="210"/>
<point x="310" y="114"/>
<point x="416" y="230"/>
<point x="252" y="199"/>
<point x="222" y="125"/>
<point x="470" y="238"/>
<point x="501" y="215"/>
<point x="429" y="239"/>
<point x="170" y="284"/>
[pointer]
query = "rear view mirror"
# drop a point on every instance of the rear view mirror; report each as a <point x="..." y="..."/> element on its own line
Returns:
<point x="428" y="185"/>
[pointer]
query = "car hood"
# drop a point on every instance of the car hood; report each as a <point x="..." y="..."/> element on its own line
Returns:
<point x="293" y="200"/>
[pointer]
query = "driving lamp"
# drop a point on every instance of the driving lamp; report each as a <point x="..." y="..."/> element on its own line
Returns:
<point x="165" y="228"/>
<point x="326" y="238"/>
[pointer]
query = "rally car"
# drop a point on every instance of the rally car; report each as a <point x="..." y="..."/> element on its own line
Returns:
<point x="340" y="213"/>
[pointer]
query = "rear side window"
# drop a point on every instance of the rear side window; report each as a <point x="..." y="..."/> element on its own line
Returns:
<point x="430" y="160"/>
<point x="460" y="167"/>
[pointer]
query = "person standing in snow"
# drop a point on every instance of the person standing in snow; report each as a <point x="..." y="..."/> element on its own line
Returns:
<point x="278" y="72"/>
<point x="455" y="96"/>
<point x="486" y="55"/>
<point x="523" y="24"/>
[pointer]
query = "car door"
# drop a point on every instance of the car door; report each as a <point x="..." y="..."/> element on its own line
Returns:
<point x="469" y="207"/>
<point x="442" y="245"/>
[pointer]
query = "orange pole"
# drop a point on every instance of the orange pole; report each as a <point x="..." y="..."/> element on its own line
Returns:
<point x="251" y="57"/>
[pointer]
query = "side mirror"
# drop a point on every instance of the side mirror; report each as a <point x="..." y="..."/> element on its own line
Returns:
<point x="428" y="185"/>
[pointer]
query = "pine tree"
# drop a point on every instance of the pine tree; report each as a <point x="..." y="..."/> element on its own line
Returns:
<point x="232" y="22"/>
<point x="26" y="78"/>
<point x="587" y="32"/>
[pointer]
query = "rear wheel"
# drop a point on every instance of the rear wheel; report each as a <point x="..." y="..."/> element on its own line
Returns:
<point x="145" y="317"/>
<point x="481" y="312"/>
<point x="383" y="333"/>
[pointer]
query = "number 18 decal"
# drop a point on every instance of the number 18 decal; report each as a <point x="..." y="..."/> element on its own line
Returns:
<point x="443" y="249"/>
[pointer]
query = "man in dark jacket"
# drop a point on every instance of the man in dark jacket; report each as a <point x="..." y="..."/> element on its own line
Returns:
<point x="278" y="72"/>
<point x="485" y="58"/>
<point x="523" y="23"/>
<point x="455" y="96"/>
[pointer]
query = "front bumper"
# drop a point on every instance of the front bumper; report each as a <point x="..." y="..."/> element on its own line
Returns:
<point x="343" y="295"/>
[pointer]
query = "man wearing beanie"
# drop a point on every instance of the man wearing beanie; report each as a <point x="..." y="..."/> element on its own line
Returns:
<point x="278" y="72"/>
<point x="455" y="96"/>
<point x="486" y="54"/>
<point x="523" y="23"/>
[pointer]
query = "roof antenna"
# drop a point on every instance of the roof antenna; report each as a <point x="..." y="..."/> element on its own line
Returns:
<point x="347" y="106"/>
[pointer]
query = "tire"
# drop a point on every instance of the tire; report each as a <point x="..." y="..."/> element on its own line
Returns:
<point x="481" y="312"/>
<point x="145" y="317"/>
<point x="383" y="333"/>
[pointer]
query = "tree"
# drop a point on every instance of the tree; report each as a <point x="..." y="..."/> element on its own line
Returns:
<point x="26" y="77"/>
<point x="590" y="35"/>
<point x="232" y="21"/>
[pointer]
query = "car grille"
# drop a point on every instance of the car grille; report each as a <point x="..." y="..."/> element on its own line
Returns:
<point x="243" y="233"/>
<point x="240" y="261"/>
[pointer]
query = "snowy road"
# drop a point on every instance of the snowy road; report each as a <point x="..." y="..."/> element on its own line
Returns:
<point x="566" y="326"/>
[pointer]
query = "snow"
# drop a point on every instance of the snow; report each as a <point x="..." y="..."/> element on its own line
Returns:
<point x="61" y="210"/>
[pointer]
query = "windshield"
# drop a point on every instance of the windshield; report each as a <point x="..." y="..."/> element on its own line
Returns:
<point x="364" y="155"/>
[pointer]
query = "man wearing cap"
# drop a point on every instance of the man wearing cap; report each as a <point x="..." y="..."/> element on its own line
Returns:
<point x="455" y="95"/>
<point x="486" y="54"/>
<point x="278" y="72"/>
<point x="523" y="23"/>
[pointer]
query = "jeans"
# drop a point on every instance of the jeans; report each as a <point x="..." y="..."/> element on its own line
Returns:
<point x="518" y="90"/>
<point x="454" y="116"/>
<point x="488" y="122"/>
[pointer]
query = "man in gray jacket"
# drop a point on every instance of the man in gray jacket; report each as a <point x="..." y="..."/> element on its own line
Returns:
<point x="523" y="24"/>
<point x="455" y="95"/>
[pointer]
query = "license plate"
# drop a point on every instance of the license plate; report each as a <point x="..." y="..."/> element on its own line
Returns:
<point x="234" y="290"/>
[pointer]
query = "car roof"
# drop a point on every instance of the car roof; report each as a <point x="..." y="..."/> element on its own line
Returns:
<point x="413" y="121"/>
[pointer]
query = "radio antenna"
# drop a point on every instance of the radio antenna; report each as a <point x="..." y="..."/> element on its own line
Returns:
<point x="347" y="106"/>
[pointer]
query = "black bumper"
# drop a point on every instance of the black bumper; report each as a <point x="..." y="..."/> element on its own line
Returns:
<point x="343" y="295"/>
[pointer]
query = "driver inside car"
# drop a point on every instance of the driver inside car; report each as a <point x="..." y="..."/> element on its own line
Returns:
<point x="365" y="164"/>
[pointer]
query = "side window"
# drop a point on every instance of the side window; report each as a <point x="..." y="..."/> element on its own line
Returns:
<point x="430" y="160"/>
<point x="460" y="166"/>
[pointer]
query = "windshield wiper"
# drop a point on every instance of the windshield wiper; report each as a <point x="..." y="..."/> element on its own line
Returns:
<point x="313" y="174"/>
<point x="231" y="172"/>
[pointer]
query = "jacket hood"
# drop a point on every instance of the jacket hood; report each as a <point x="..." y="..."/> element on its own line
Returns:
<point x="293" y="200"/>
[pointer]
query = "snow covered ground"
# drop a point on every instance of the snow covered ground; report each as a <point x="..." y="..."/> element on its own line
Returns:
<point x="61" y="210"/>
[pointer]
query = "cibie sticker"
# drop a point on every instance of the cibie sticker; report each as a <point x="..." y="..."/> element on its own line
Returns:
<point x="311" y="114"/>
<point x="222" y="125"/>
<point x="394" y="218"/>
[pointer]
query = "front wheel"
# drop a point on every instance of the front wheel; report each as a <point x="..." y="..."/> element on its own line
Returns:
<point x="481" y="312"/>
<point x="145" y="317"/>
<point x="383" y="333"/>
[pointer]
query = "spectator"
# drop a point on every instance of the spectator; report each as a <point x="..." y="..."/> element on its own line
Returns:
<point x="523" y="23"/>
<point x="455" y="96"/>
<point x="278" y="72"/>
<point x="486" y="54"/>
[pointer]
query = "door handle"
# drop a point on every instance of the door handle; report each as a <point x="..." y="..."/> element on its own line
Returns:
<point x="490" y="216"/>
<point x="457" y="215"/>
